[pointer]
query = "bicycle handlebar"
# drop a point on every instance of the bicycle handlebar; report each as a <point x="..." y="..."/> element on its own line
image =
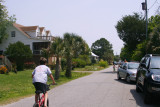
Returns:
<point x="52" y="84"/>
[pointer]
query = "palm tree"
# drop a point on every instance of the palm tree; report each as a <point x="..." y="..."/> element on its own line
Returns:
<point x="68" y="52"/>
<point x="57" y="48"/>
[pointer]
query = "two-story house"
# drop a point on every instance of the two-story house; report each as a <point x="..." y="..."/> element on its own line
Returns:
<point x="34" y="37"/>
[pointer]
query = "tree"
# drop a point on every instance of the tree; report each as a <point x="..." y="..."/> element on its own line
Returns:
<point x="103" y="49"/>
<point x="153" y="45"/>
<point x="125" y="54"/>
<point x="153" y="23"/>
<point x="57" y="48"/>
<point x="5" y="21"/>
<point x="116" y="58"/>
<point x="131" y="29"/>
<point x="80" y="47"/>
<point x="18" y="53"/>
<point x="46" y="53"/>
<point x="68" y="52"/>
<point x="140" y="51"/>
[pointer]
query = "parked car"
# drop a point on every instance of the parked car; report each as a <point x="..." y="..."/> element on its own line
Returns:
<point x="128" y="71"/>
<point x="148" y="77"/>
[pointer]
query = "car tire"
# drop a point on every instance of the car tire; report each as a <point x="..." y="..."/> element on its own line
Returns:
<point x="137" y="88"/>
<point x="128" y="79"/>
<point x="118" y="76"/>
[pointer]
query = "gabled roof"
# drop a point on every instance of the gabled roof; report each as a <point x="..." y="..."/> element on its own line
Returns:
<point x="41" y="29"/>
<point x="29" y="28"/>
<point x="47" y="32"/>
<point x="18" y="26"/>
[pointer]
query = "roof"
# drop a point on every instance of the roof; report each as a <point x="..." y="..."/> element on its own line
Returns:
<point x="41" y="29"/>
<point x="94" y="54"/>
<point x="18" y="26"/>
<point x="29" y="28"/>
<point x="47" y="32"/>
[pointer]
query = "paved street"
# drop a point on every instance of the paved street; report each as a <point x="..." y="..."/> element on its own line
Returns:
<point x="100" y="89"/>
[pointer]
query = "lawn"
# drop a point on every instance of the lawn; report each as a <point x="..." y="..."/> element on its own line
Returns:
<point x="16" y="86"/>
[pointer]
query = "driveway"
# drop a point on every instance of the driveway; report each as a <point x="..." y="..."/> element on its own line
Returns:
<point x="100" y="89"/>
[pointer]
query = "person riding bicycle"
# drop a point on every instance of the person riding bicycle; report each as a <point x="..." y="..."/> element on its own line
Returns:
<point x="39" y="77"/>
<point x="114" y="67"/>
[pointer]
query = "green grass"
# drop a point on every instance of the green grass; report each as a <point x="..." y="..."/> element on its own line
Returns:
<point x="16" y="86"/>
<point x="90" y="68"/>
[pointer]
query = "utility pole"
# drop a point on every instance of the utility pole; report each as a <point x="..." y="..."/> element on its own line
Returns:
<point x="144" y="7"/>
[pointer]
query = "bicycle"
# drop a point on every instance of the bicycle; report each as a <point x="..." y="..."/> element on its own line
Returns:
<point x="41" y="98"/>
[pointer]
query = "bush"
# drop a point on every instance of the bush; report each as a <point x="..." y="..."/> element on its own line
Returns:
<point x="29" y="65"/>
<point x="103" y="63"/>
<point x="18" y="53"/>
<point x="3" y="70"/>
<point x="78" y="63"/>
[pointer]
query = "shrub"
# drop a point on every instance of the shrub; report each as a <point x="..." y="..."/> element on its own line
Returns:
<point x="78" y="63"/>
<point x="29" y="65"/>
<point x="103" y="63"/>
<point x="3" y="70"/>
<point x="18" y="53"/>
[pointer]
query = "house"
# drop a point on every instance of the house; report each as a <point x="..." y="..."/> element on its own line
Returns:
<point x="34" y="37"/>
<point x="94" y="57"/>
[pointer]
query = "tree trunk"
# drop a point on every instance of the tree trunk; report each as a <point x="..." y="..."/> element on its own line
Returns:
<point x="57" y="69"/>
<point x="69" y="67"/>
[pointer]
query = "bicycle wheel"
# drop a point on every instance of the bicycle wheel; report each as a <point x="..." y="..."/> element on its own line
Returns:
<point x="35" y="105"/>
<point x="47" y="102"/>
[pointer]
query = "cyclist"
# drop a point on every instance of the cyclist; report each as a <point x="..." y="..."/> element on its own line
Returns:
<point x="114" y="67"/>
<point x="39" y="77"/>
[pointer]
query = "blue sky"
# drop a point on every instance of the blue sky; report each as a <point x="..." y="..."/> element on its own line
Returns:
<point x="90" y="19"/>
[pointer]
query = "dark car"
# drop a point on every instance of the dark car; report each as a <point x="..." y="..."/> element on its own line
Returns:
<point x="148" y="77"/>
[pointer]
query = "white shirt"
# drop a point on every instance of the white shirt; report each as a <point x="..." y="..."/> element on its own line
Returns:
<point x="40" y="74"/>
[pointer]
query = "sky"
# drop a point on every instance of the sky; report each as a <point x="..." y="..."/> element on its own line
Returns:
<point x="90" y="19"/>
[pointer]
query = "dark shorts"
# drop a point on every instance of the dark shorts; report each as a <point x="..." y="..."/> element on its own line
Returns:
<point x="40" y="87"/>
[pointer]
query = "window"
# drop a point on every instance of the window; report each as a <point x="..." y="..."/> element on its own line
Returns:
<point x="13" y="34"/>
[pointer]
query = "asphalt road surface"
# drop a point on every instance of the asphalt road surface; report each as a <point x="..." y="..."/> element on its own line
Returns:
<point x="100" y="89"/>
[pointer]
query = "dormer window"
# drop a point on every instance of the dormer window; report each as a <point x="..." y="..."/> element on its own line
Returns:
<point x="13" y="34"/>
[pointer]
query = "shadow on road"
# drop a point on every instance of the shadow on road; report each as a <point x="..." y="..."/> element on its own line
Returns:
<point x="109" y="72"/>
<point x="124" y="81"/>
<point x="139" y="98"/>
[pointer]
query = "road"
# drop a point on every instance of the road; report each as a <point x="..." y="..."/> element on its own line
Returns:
<point x="100" y="89"/>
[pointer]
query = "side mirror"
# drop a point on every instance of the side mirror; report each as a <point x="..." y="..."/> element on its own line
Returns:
<point x="143" y="65"/>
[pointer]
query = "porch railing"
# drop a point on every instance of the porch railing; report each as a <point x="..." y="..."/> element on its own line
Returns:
<point x="45" y="37"/>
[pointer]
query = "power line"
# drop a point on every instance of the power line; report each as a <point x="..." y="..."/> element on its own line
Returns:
<point x="153" y="4"/>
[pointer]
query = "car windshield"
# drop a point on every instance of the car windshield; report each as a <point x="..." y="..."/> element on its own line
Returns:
<point x="155" y="62"/>
<point x="133" y="65"/>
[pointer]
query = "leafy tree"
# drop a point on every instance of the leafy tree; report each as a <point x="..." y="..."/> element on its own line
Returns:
<point x="125" y="54"/>
<point x="153" y="45"/>
<point x="131" y="29"/>
<point x="18" y="53"/>
<point x="140" y="51"/>
<point x="5" y="21"/>
<point x="116" y="58"/>
<point x="57" y="49"/>
<point x="153" y="23"/>
<point x="103" y="49"/>
<point x="80" y="47"/>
